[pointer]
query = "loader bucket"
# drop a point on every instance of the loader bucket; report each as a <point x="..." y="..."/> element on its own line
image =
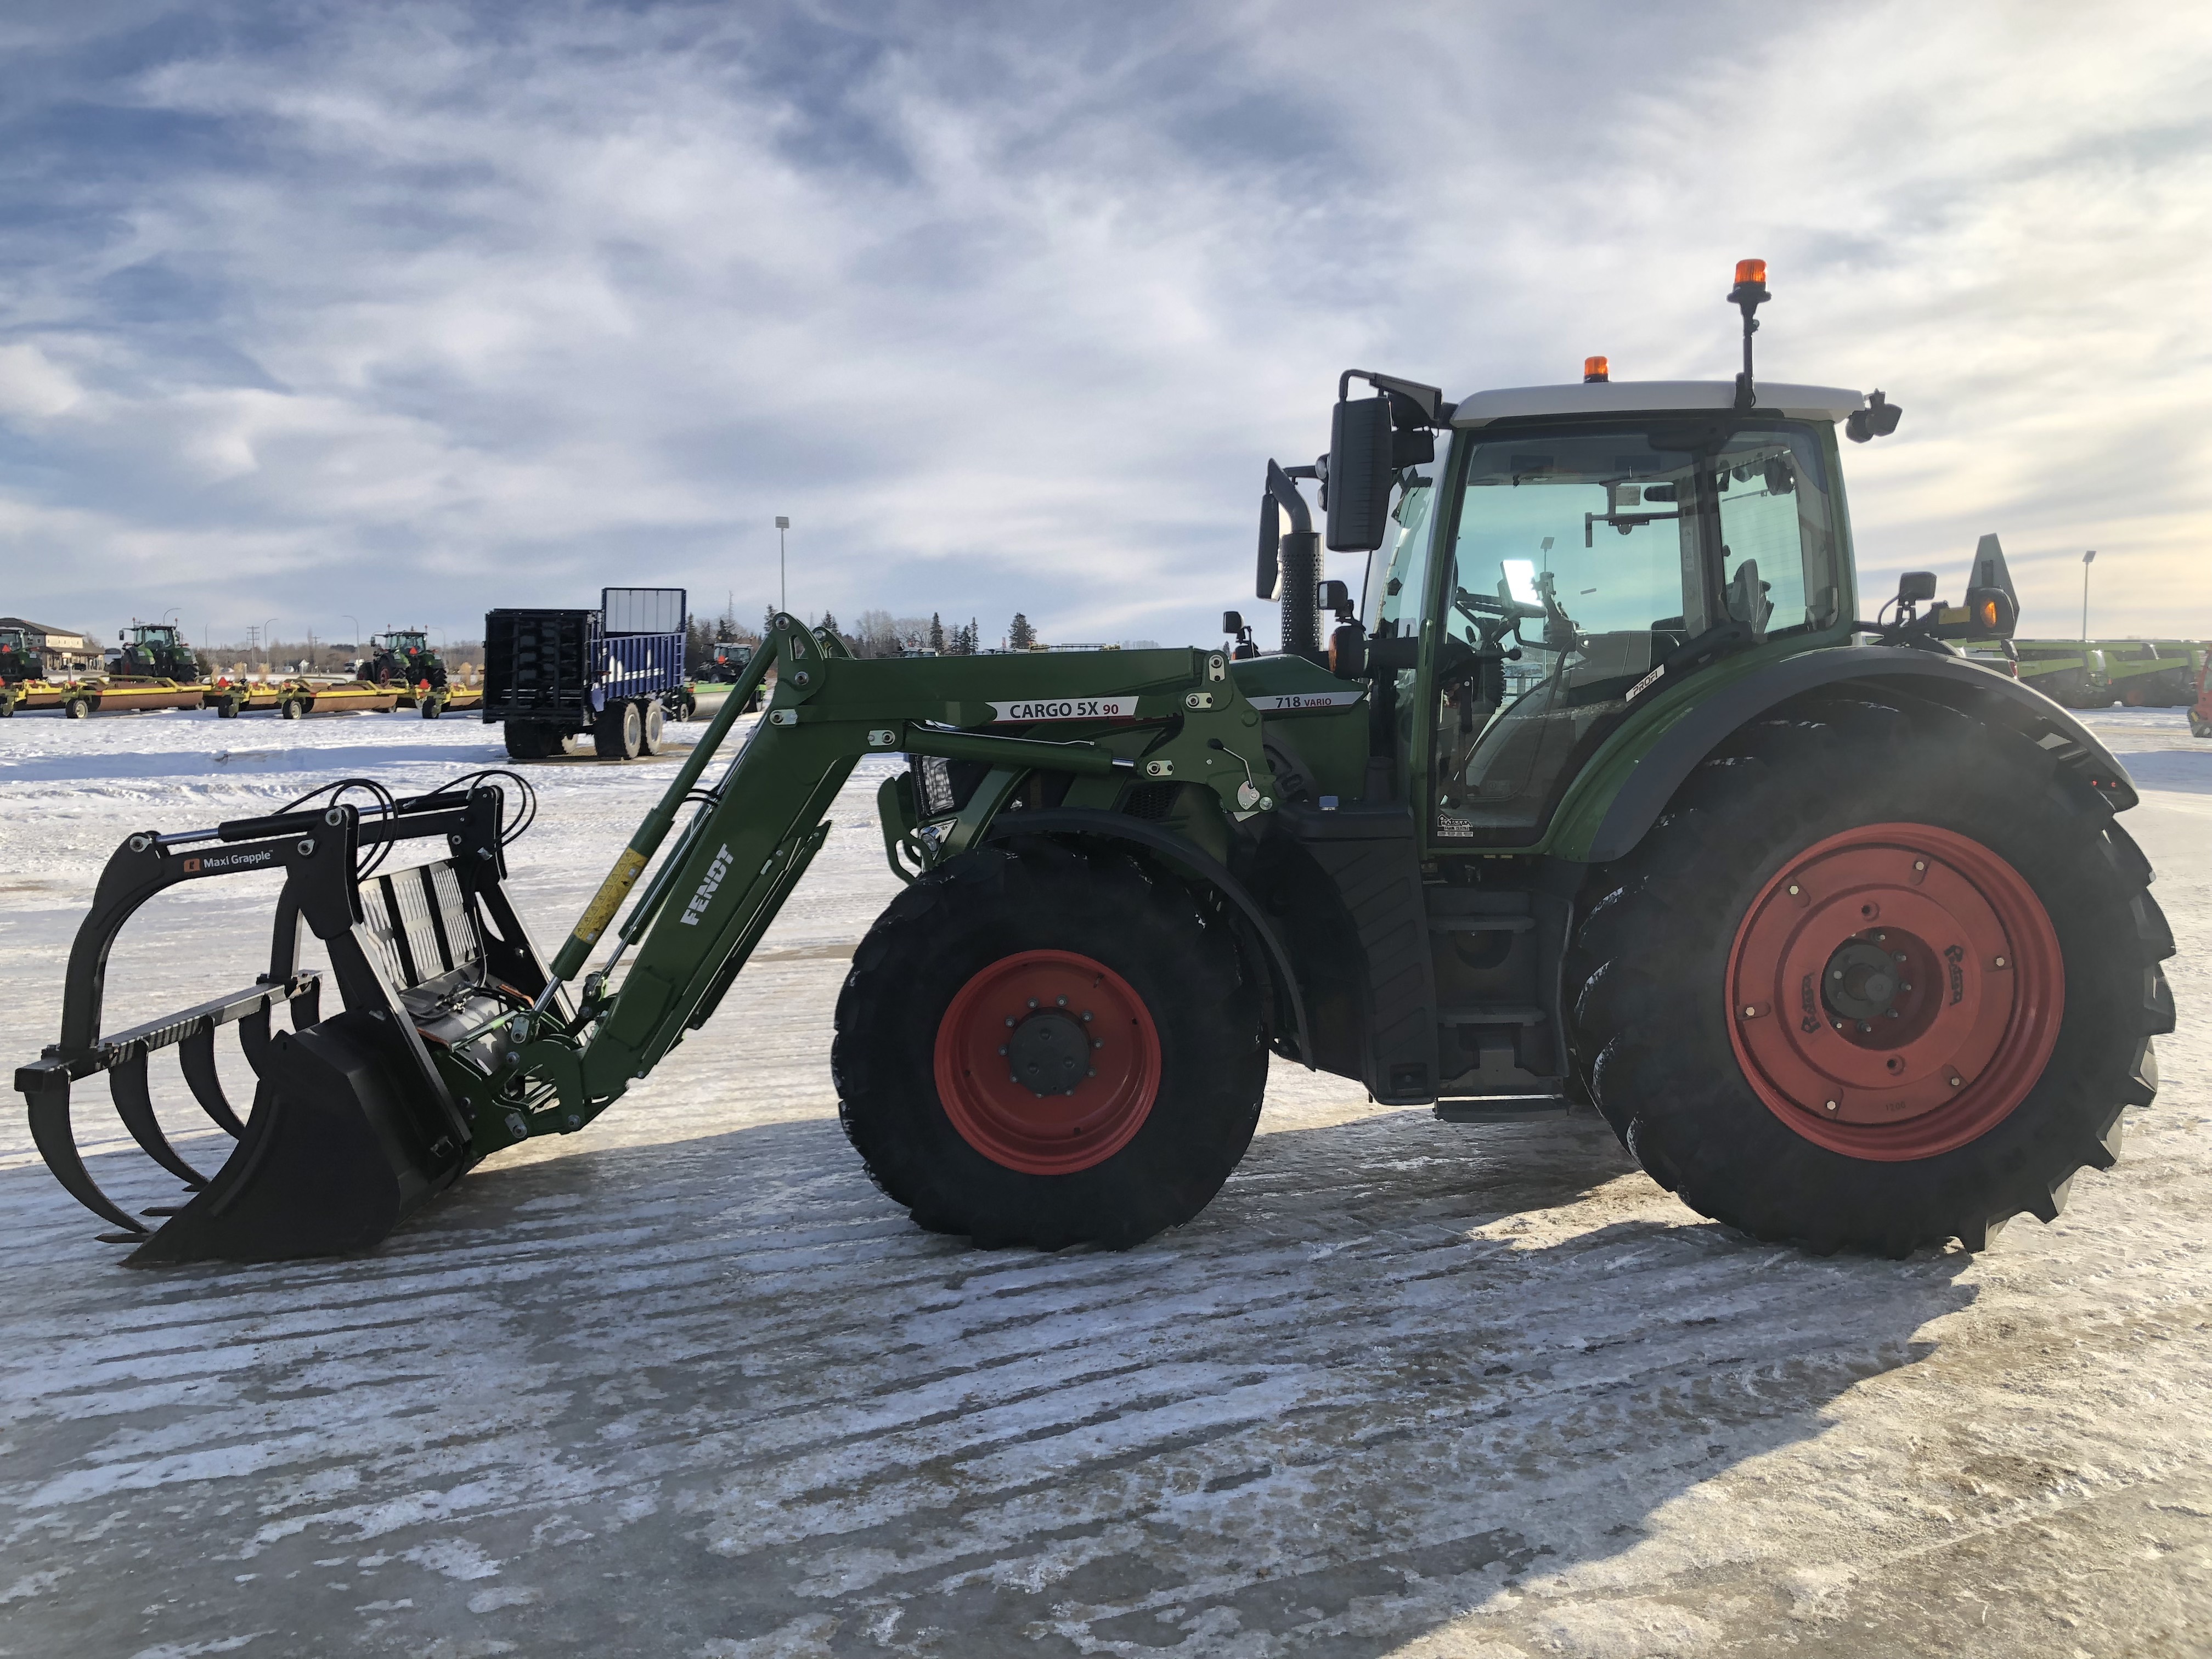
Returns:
<point x="352" y="1126"/>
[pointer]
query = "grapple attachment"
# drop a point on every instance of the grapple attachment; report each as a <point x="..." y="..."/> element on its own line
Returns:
<point x="352" y="1126"/>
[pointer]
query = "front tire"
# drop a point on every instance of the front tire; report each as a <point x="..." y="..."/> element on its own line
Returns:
<point x="1740" y="1024"/>
<point x="1102" y="1130"/>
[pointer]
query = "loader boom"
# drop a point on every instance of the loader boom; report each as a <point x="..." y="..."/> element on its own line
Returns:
<point x="1156" y="715"/>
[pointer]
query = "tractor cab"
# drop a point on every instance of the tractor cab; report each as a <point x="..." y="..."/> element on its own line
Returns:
<point x="726" y="660"/>
<point x="1578" y="547"/>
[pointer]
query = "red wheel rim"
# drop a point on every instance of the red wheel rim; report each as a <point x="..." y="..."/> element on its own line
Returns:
<point x="1894" y="992"/>
<point x="1047" y="1062"/>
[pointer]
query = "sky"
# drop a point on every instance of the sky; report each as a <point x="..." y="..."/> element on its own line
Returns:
<point x="353" y="316"/>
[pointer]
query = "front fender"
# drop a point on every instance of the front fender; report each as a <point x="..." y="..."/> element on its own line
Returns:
<point x="1622" y="794"/>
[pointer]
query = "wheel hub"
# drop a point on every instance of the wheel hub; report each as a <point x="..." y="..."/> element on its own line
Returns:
<point x="1894" y="992"/>
<point x="1048" y="1053"/>
<point x="1047" y="1062"/>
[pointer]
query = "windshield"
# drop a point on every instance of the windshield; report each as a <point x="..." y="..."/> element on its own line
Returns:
<point x="1635" y="532"/>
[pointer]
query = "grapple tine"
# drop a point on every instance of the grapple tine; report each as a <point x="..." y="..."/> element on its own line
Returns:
<point x="57" y="1143"/>
<point x="196" y="1054"/>
<point x="134" y="1104"/>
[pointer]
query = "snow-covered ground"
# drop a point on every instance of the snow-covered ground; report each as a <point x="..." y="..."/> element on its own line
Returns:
<point x="686" y="1384"/>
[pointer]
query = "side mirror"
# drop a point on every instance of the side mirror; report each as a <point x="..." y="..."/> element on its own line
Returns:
<point x="1916" y="587"/>
<point x="1877" y="420"/>
<point x="1360" y="474"/>
<point x="1232" y="622"/>
<point x="1333" y="596"/>
<point x="1270" y="536"/>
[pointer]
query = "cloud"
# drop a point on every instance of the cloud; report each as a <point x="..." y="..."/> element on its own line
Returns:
<point x="411" y="310"/>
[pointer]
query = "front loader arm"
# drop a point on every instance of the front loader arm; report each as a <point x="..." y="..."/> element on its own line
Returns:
<point x="1176" y="717"/>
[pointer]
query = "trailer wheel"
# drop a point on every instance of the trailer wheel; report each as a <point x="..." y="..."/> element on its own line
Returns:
<point x="292" y="710"/>
<point x="430" y="709"/>
<point x="1881" y="976"/>
<point x="618" y="731"/>
<point x="531" y="740"/>
<point x="225" y="710"/>
<point x="1046" y="1046"/>
<point x="652" y="719"/>
<point x="2199" y="725"/>
<point x="77" y="708"/>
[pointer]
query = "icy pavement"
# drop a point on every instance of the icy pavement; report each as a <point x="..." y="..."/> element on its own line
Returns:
<point x="687" y="1385"/>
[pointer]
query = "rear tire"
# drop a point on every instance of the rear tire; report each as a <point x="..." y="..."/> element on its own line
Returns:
<point x="648" y="742"/>
<point x="2198" y="727"/>
<point x="618" y="731"/>
<point x="530" y="740"/>
<point x="1172" y="1092"/>
<point x="1659" y="956"/>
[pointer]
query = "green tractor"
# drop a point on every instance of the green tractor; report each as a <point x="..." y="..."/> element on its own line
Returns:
<point x="156" y="651"/>
<point x="23" y="663"/>
<point x="404" y="660"/>
<point x="1597" y="795"/>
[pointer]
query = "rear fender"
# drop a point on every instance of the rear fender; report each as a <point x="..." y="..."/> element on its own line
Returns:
<point x="1601" y="829"/>
<point x="1088" y="822"/>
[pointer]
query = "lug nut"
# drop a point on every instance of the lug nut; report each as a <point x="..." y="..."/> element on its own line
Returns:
<point x="1750" y="1011"/>
<point x="1098" y="1042"/>
<point x="1920" y="864"/>
<point x="2000" y="962"/>
<point x="1793" y="890"/>
<point x="1059" y="1002"/>
<point x="1010" y="1019"/>
<point x="1002" y="1047"/>
<point x="1957" y="1081"/>
<point x="1033" y="1003"/>
<point x="1832" y="1105"/>
<point x="1087" y="1012"/>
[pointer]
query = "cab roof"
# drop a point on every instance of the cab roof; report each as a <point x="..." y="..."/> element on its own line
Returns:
<point x="1803" y="403"/>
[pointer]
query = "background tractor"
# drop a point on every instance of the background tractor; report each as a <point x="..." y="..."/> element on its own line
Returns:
<point x="1598" y="794"/>
<point x="156" y="651"/>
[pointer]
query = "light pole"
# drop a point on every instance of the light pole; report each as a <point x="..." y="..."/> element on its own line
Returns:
<point x="268" y="638"/>
<point x="782" y="585"/>
<point x="2088" y="559"/>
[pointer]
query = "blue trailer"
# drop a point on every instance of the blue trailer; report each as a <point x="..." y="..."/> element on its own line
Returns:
<point x="551" y="675"/>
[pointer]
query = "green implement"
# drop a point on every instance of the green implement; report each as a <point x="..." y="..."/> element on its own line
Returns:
<point x="1600" y="797"/>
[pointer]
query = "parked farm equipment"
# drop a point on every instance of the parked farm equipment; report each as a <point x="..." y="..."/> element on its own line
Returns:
<point x="1843" y="940"/>
<point x="297" y="698"/>
<point x="404" y="661"/>
<point x="550" y="675"/>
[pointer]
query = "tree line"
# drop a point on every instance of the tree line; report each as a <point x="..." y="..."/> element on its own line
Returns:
<point x="872" y="634"/>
